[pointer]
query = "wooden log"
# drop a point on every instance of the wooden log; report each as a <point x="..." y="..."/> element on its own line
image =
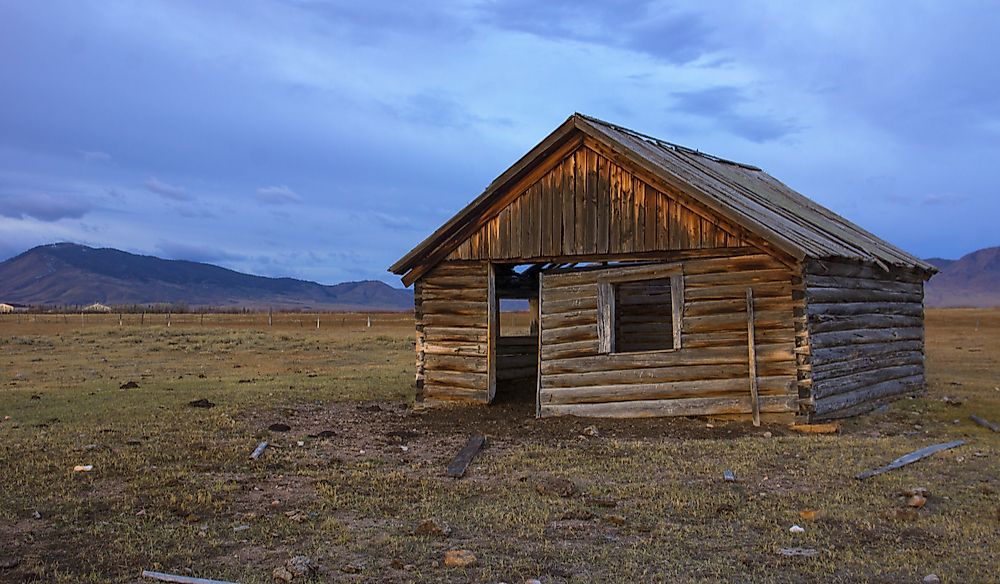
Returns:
<point x="815" y="281"/>
<point x="714" y="356"/>
<point x="458" y="363"/>
<point x="857" y="381"/>
<point x="858" y="270"/>
<point x="672" y="407"/>
<point x="824" y="371"/>
<point x="829" y="406"/>
<point x="829" y="355"/>
<point x="824" y="295"/>
<point x="752" y="357"/>
<point x="910" y="458"/>
<point x="446" y="393"/>
<point x="737" y="338"/>
<point x="778" y="274"/>
<point x="863" y="336"/>
<point x="454" y="349"/>
<point x="492" y="333"/>
<point x="569" y="350"/>
<point x="767" y="289"/>
<point x="772" y="385"/>
<point x="824" y="323"/>
<point x="985" y="423"/>
<point x="570" y="333"/>
<point x="464" y="380"/>
<point x="855" y="308"/>
<point x="605" y="318"/>
<point x="458" y="465"/>
<point x="258" y="451"/>
<point x="827" y="428"/>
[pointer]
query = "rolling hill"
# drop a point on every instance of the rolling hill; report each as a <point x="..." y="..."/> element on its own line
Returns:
<point x="68" y="274"/>
<point x="972" y="280"/>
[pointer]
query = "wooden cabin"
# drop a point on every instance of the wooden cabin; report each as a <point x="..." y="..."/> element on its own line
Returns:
<point x="662" y="281"/>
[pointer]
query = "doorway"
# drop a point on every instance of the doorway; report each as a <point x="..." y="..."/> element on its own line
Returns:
<point x="513" y="346"/>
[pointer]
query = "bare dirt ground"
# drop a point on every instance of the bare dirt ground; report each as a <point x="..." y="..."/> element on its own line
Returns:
<point x="172" y="488"/>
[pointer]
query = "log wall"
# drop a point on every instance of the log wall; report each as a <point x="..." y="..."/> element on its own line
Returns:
<point x="452" y="321"/>
<point x="708" y="375"/>
<point x="866" y="336"/>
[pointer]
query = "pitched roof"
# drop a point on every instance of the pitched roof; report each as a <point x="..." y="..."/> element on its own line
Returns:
<point x="741" y="193"/>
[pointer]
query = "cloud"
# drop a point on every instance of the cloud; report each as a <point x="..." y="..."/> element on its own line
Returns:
<point x="195" y="253"/>
<point x="725" y="107"/>
<point x="94" y="155"/>
<point x="167" y="191"/>
<point x="43" y="206"/>
<point x="278" y="195"/>
<point x="943" y="199"/>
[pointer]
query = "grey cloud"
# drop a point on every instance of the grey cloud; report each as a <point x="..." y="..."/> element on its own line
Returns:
<point x="676" y="37"/>
<point x="277" y="195"/>
<point x="167" y="191"/>
<point x="724" y="106"/>
<point x="195" y="253"/>
<point x="44" y="206"/>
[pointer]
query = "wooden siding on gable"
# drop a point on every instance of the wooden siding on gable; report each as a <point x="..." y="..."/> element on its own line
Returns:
<point x="589" y="205"/>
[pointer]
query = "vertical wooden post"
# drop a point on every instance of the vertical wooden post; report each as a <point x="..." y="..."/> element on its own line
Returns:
<point x="270" y="317"/>
<point x="142" y="319"/>
<point x="605" y="317"/>
<point x="492" y="332"/>
<point x="119" y="319"/>
<point x="677" y="307"/>
<point x="752" y="351"/>
<point x="168" y="319"/>
<point x="538" y="331"/>
<point x="317" y="322"/>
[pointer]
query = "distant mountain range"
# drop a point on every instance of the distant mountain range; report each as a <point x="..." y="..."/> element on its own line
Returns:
<point x="68" y="274"/>
<point x="972" y="280"/>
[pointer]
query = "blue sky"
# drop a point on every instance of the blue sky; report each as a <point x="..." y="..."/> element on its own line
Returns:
<point x="323" y="139"/>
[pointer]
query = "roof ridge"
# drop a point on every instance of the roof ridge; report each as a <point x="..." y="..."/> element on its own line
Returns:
<point x="669" y="145"/>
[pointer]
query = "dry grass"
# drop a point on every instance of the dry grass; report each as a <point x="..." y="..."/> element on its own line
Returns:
<point x="172" y="487"/>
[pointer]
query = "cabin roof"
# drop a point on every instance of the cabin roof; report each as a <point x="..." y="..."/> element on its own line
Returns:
<point x="742" y="193"/>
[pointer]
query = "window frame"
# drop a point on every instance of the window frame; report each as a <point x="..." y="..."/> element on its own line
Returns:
<point x="606" y="299"/>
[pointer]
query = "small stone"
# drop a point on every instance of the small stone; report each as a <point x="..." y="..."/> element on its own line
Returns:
<point x="533" y="581"/>
<point x="9" y="563"/>
<point x="591" y="431"/>
<point x="767" y="434"/>
<point x="459" y="558"/>
<point x="432" y="527"/>
<point x="83" y="468"/>
<point x="36" y="515"/>
<point x="282" y="574"/>
<point x="796" y="529"/>
<point x="798" y="551"/>
<point x="301" y="566"/>
<point x="729" y="476"/>
<point x="279" y="427"/>
<point x="923" y="492"/>
<point x="555" y="486"/>
<point x="616" y="519"/>
<point x="916" y="501"/>
<point x="129" y="385"/>
<point x="931" y="579"/>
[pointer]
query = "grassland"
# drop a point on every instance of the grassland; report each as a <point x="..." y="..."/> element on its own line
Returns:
<point x="172" y="487"/>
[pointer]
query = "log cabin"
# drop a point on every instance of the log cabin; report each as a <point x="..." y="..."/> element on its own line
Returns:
<point x="662" y="281"/>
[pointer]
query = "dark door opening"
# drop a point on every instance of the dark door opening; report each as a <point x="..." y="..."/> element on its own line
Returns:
<point x="516" y="347"/>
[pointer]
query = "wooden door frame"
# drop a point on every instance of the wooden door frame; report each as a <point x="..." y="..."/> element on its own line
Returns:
<point x="492" y="332"/>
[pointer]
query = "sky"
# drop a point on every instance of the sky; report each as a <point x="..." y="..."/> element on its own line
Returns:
<point x="324" y="139"/>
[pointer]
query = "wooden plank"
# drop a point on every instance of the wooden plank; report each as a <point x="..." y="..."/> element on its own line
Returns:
<point x="603" y="204"/>
<point x="458" y="466"/>
<point x="492" y="333"/>
<point x="672" y="407"/>
<point x="165" y="577"/>
<point x="910" y="458"/>
<point x="580" y="201"/>
<point x="770" y="385"/>
<point x="752" y="356"/>
<point x="590" y="229"/>
<point x="677" y="302"/>
<point x="985" y="423"/>
<point x="650" y="229"/>
<point x="569" y="206"/>
<point x="538" y="370"/>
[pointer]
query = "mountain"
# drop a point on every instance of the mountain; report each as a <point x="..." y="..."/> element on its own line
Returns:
<point x="69" y="274"/>
<point x="972" y="280"/>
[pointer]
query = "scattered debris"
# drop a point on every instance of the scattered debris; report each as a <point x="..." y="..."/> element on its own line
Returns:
<point x="432" y="527"/>
<point x="258" y="451"/>
<point x="243" y="527"/>
<point x="282" y="574"/>
<point x="301" y="566"/>
<point x="809" y="514"/>
<point x="554" y="486"/>
<point x="798" y="552"/>
<point x="829" y="428"/>
<point x="591" y="431"/>
<point x="985" y="423"/>
<point x="459" y="558"/>
<point x="83" y="468"/>
<point x="464" y="457"/>
<point x="129" y="385"/>
<point x="201" y="403"/>
<point x="796" y="529"/>
<point x="279" y="427"/>
<point x="164" y="577"/>
<point x="36" y="515"/>
<point x="729" y="476"/>
<point x="910" y="458"/>
<point x="916" y="497"/>
<point x="616" y="519"/>
<point x="602" y="502"/>
<point x="9" y="563"/>
<point x="953" y="401"/>
<point x="352" y="568"/>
